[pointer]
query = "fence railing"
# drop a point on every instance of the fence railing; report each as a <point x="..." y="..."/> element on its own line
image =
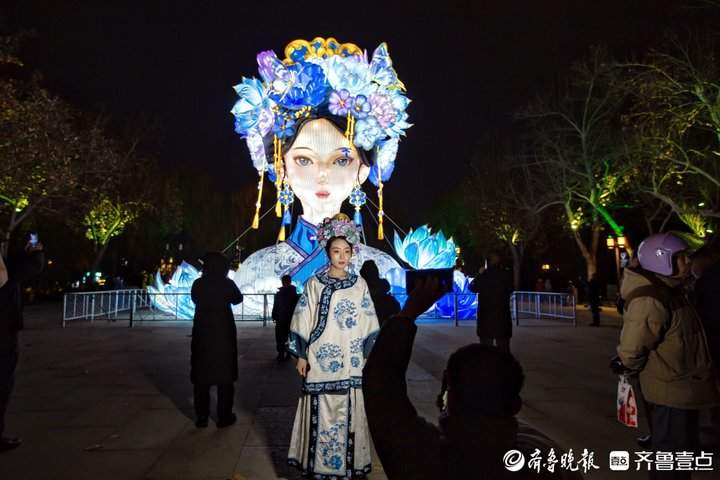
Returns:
<point x="539" y="305"/>
<point x="138" y="305"/>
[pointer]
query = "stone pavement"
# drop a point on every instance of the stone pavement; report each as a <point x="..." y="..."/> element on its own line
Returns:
<point x="108" y="402"/>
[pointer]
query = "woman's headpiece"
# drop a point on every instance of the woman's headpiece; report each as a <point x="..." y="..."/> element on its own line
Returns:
<point x="339" y="226"/>
<point x="322" y="77"/>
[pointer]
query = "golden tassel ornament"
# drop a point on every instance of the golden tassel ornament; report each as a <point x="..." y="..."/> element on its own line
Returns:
<point x="256" y="220"/>
<point x="281" y="236"/>
<point x="381" y="213"/>
<point x="277" y="162"/>
<point x="348" y="127"/>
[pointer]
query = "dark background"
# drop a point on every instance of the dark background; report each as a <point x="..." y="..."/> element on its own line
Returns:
<point x="467" y="66"/>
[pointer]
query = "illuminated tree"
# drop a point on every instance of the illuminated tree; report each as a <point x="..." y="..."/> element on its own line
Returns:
<point x="108" y="219"/>
<point x="578" y="142"/>
<point x="36" y="154"/>
<point x="674" y="124"/>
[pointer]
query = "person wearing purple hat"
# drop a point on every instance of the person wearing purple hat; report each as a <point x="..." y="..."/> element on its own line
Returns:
<point x="663" y="339"/>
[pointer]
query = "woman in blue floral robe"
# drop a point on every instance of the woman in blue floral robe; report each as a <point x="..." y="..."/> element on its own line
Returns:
<point x="333" y="330"/>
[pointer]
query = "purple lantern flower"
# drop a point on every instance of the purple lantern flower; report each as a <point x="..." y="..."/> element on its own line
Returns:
<point x="382" y="109"/>
<point x="267" y="62"/>
<point x="361" y="107"/>
<point x="265" y="121"/>
<point x="340" y="103"/>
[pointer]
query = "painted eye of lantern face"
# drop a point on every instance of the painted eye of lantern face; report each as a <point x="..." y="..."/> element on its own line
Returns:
<point x="322" y="168"/>
<point x="303" y="161"/>
<point x="343" y="161"/>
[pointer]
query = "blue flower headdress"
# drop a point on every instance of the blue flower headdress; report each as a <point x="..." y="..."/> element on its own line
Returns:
<point x="339" y="226"/>
<point x="322" y="76"/>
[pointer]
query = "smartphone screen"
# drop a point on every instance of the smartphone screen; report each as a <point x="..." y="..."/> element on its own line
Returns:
<point x="444" y="276"/>
<point x="33" y="239"/>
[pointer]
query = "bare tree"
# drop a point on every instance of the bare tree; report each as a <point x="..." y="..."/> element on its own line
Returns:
<point x="578" y="142"/>
<point x="509" y="197"/>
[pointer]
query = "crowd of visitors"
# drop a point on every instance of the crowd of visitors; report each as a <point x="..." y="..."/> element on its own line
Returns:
<point x="352" y="342"/>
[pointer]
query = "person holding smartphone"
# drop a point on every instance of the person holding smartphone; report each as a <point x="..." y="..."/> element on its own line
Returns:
<point x="20" y="268"/>
<point x="480" y="401"/>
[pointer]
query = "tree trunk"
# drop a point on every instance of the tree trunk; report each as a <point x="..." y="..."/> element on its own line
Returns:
<point x="517" y="262"/>
<point x="5" y="244"/>
<point x="5" y="247"/>
<point x="98" y="259"/>
<point x="589" y="254"/>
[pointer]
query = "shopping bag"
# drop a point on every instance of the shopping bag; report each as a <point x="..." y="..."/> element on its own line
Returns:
<point x="627" y="411"/>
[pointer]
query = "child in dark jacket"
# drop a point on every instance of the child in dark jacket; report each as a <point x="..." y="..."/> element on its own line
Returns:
<point x="213" y="359"/>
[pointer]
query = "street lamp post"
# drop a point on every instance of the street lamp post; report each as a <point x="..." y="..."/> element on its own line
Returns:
<point x="616" y="243"/>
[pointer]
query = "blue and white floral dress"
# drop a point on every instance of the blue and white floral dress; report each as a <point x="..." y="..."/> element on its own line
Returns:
<point x="334" y="328"/>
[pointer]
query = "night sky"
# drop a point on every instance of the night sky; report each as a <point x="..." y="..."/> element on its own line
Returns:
<point x="467" y="65"/>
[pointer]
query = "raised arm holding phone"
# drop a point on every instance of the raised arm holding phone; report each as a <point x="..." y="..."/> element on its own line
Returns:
<point x="478" y="424"/>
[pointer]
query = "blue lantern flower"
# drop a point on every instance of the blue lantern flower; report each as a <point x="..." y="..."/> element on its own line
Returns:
<point x="348" y="73"/>
<point x="256" y="146"/>
<point x="252" y="106"/>
<point x="367" y="132"/>
<point x="309" y="88"/>
<point x="284" y="127"/>
<point x="361" y="107"/>
<point x="466" y="300"/>
<point x="385" y="161"/>
<point x="421" y="249"/>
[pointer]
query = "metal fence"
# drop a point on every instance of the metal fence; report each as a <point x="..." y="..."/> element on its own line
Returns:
<point x="543" y="305"/>
<point x="137" y="305"/>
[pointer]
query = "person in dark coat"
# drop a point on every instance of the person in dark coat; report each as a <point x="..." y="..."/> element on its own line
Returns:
<point x="593" y="291"/>
<point x="283" y="307"/>
<point x="19" y="269"/>
<point x="706" y="298"/>
<point x="213" y="359"/>
<point x="494" y="288"/>
<point x="385" y="304"/>
<point x="478" y="425"/>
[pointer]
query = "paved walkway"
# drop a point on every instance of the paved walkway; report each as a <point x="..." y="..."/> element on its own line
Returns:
<point x="107" y="402"/>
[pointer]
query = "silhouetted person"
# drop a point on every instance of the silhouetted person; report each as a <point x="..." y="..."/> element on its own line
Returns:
<point x="19" y="269"/>
<point x="385" y="304"/>
<point x="213" y="360"/>
<point x="283" y="307"/>
<point x="479" y="426"/>
<point x="593" y="292"/>
<point x="706" y="297"/>
<point x="494" y="288"/>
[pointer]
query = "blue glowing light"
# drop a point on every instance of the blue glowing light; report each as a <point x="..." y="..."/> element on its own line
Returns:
<point x="422" y="249"/>
<point x="174" y="297"/>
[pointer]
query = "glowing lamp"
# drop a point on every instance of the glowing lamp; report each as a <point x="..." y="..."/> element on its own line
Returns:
<point x="621" y="241"/>
<point x="610" y="242"/>
<point x="545" y="267"/>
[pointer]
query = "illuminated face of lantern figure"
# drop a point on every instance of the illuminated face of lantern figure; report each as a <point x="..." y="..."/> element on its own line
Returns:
<point x="322" y="169"/>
